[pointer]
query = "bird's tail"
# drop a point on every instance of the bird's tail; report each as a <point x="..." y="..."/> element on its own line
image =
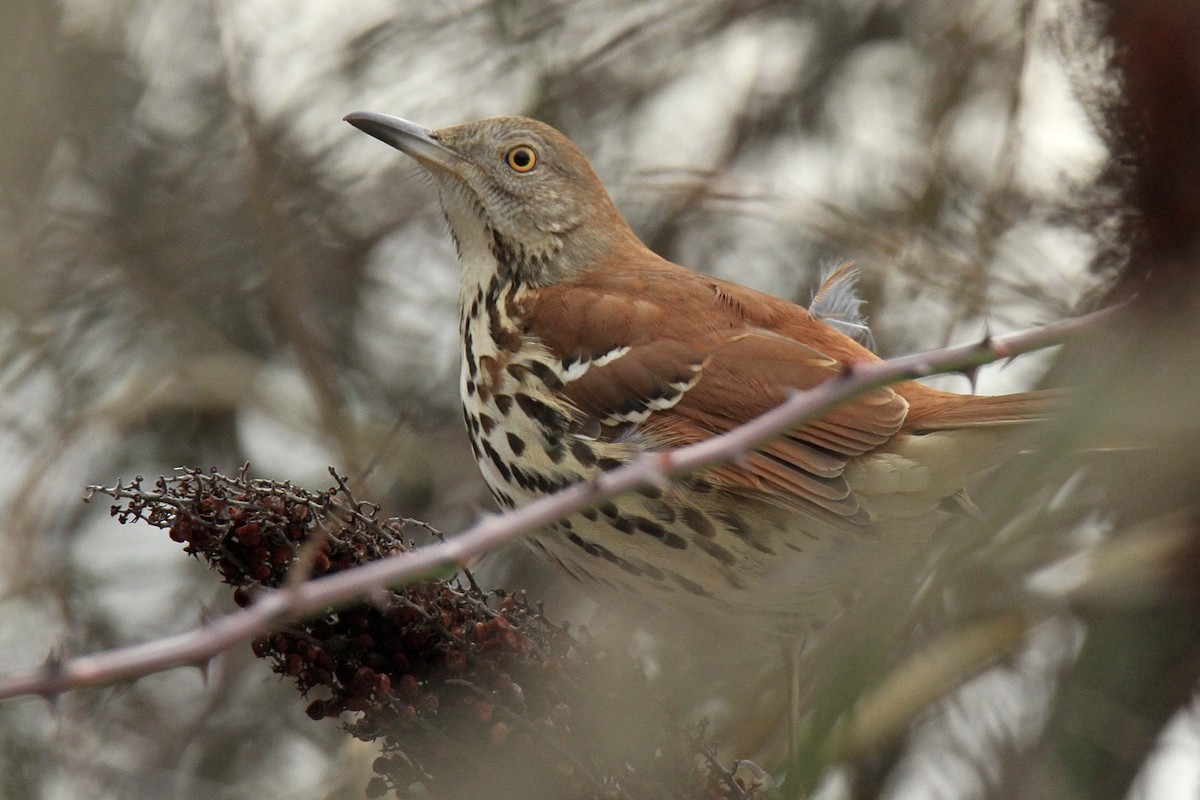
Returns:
<point x="935" y="410"/>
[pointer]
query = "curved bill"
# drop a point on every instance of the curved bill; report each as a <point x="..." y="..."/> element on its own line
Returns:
<point x="407" y="137"/>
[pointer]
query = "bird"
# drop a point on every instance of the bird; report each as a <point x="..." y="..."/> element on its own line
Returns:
<point x="582" y="348"/>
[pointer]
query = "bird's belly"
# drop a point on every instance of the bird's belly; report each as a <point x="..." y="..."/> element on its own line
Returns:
<point x="677" y="542"/>
<point x="691" y="547"/>
<point x="710" y="553"/>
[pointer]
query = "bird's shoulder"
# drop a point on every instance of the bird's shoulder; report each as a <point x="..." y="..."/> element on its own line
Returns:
<point x="631" y="301"/>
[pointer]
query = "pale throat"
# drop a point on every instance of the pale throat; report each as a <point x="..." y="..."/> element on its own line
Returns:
<point x="477" y="262"/>
<point x="480" y="286"/>
<point x="496" y="377"/>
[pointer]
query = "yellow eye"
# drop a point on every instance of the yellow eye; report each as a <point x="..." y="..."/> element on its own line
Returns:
<point x="521" y="158"/>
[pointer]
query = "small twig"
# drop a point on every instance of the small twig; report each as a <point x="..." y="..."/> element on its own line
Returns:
<point x="727" y="775"/>
<point x="272" y="608"/>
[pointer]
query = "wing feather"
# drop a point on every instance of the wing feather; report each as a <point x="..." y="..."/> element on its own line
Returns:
<point x="682" y="380"/>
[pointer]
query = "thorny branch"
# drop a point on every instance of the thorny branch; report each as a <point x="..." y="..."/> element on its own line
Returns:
<point x="297" y="601"/>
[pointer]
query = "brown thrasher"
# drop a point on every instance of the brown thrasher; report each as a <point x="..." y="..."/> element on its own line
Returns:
<point x="581" y="347"/>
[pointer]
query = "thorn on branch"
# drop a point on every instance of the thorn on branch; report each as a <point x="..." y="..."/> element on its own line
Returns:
<point x="971" y="373"/>
<point x="988" y="342"/>
<point x="204" y="666"/>
<point x="52" y="666"/>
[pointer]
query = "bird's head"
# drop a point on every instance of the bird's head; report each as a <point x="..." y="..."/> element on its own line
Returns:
<point x="514" y="188"/>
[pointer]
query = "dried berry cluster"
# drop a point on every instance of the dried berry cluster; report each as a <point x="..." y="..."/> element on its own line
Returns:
<point x="470" y="694"/>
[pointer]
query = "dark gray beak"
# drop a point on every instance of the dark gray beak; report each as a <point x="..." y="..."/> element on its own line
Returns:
<point x="407" y="137"/>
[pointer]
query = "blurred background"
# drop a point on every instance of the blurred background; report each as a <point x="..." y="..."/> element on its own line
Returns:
<point x="201" y="264"/>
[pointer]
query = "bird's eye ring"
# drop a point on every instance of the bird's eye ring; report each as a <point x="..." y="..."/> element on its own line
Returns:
<point x="521" y="158"/>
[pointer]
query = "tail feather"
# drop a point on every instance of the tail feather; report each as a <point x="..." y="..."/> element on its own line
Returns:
<point x="933" y="410"/>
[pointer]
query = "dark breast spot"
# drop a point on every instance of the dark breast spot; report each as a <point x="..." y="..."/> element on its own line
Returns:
<point x="493" y="291"/>
<point x="510" y="299"/>
<point x="540" y="412"/>
<point x="716" y="551"/>
<point x="698" y="521"/>
<point x="506" y="339"/>
<point x="652" y="528"/>
<point x="583" y="453"/>
<point x="546" y="375"/>
<point x="733" y="523"/>
<point x="469" y="352"/>
<point x="593" y="549"/>
<point x="503" y="403"/>
<point x="688" y="585"/>
<point x="501" y="467"/>
<point x="623" y="524"/>
<point x="507" y="261"/>
<point x="489" y="376"/>
<point x="660" y="510"/>
<point x="523" y="479"/>
<point x="556" y="483"/>
<point x="516" y="443"/>
<point x="588" y="547"/>
<point x="761" y="546"/>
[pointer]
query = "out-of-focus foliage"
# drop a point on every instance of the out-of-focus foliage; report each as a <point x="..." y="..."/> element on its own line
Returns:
<point x="468" y="693"/>
<point x="201" y="264"/>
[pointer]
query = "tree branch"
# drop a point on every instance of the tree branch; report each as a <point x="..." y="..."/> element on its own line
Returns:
<point x="197" y="646"/>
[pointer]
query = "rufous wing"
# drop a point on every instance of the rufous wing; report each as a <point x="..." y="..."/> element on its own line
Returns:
<point x="636" y="364"/>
